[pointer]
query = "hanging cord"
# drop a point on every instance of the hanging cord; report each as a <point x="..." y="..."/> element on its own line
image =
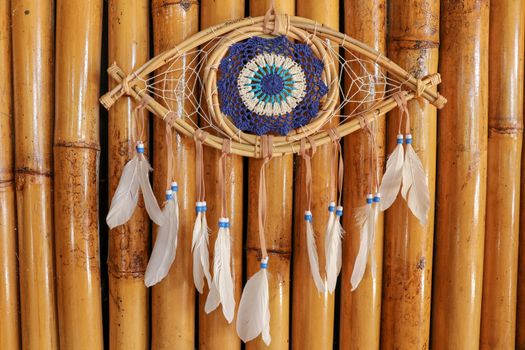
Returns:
<point x="401" y="101"/>
<point x="267" y="154"/>
<point x="374" y="159"/>
<point x="169" y="146"/>
<point x="138" y="125"/>
<point x="337" y="153"/>
<point x="226" y="151"/>
<point x="307" y="157"/>
<point x="199" y="138"/>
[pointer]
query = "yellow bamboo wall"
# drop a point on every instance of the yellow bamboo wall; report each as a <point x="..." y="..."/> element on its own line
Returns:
<point x="457" y="282"/>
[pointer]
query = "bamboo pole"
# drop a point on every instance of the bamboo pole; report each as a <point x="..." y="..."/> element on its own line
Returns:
<point x="462" y="159"/>
<point x="361" y="309"/>
<point x="128" y="244"/>
<point x="173" y="299"/>
<point x="214" y="330"/>
<point x="33" y="47"/>
<point x="498" y="310"/>
<point x="278" y="229"/>
<point x="9" y="329"/>
<point x="76" y="151"/>
<point x="313" y="312"/>
<point x="413" y="44"/>
<point x="520" y="304"/>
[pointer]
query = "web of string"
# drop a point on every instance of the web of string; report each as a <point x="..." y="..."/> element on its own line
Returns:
<point x="179" y="85"/>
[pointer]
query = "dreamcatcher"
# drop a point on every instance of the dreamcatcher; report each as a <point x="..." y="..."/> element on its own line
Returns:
<point x="266" y="87"/>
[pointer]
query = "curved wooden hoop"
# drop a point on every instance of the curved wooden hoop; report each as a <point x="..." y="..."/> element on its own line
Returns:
<point x="249" y="145"/>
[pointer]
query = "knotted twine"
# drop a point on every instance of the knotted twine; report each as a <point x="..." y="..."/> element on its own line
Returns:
<point x="401" y="101"/>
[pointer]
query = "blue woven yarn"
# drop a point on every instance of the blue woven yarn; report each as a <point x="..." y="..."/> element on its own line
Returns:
<point x="270" y="85"/>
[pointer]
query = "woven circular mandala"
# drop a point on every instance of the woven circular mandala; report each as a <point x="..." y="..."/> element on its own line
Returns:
<point x="270" y="86"/>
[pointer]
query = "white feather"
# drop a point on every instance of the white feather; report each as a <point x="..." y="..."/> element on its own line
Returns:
<point x="199" y="245"/>
<point x="152" y="207"/>
<point x="333" y="245"/>
<point x="198" y="273"/>
<point x="365" y="222"/>
<point x="391" y="181"/>
<point x="329" y="224"/>
<point x="165" y="247"/>
<point x="312" y="255"/>
<point x="373" y="264"/>
<point x="221" y="289"/>
<point x="253" y="317"/>
<point x="126" y="196"/>
<point x="415" y="188"/>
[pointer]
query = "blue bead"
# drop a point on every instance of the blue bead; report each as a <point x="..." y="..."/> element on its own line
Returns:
<point x="308" y="217"/>
<point x="399" y="141"/>
<point x="339" y="213"/>
<point x="140" y="150"/>
<point x="369" y="200"/>
<point x="175" y="188"/>
<point x="377" y="199"/>
<point x="264" y="265"/>
<point x="224" y="224"/>
<point x="169" y="196"/>
<point x="408" y="141"/>
<point x="331" y="208"/>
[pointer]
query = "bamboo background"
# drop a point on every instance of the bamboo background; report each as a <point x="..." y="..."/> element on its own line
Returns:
<point x="67" y="282"/>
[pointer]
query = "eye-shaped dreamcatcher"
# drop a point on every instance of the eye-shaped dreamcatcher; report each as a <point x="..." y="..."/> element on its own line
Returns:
<point x="266" y="87"/>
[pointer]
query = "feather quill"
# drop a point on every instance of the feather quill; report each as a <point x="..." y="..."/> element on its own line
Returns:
<point x="253" y="317"/>
<point x="365" y="222"/>
<point x="312" y="253"/>
<point x="415" y="188"/>
<point x="126" y="195"/>
<point x="391" y="182"/>
<point x="201" y="264"/>
<point x="221" y="288"/>
<point x="333" y="251"/>
<point x="165" y="247"/>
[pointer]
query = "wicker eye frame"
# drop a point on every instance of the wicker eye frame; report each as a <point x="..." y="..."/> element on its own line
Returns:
<point x="296" y="28"/>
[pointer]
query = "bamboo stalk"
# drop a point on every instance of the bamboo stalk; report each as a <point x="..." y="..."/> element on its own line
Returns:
<point x="128" y="244"/>
<point x="214" y="330"/>
<point x="76" y="151"/>
<point x="33" y="47"/>
<point x="520" y="304"/>
<point x="313" y="312"/>
<point x="278" y="228"/>
<point x="498" y="311"/>
<point x="361" y="309"/>
<point x="173" y="299"/>
<point x="462" y="158"/>
<point x="414" y="44"/>
<point x="10" y="328"/>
